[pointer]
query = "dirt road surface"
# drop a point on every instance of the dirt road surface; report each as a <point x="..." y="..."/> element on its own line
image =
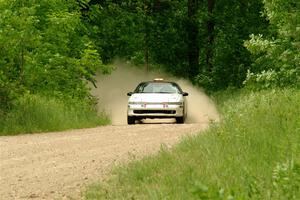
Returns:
<point x="59" y="165"/>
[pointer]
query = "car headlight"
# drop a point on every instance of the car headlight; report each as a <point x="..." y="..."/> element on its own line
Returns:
<point x="135" y="103"/>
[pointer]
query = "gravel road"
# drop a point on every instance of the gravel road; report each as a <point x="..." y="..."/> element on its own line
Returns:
<point x="59" y="165"/>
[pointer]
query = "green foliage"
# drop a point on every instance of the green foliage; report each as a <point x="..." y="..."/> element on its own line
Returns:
<point x="233" y="24"/>
<point x="286" y="181"/>
<point x="34" y="113"/>
<point x="129" y="29"/>
<point x="277" y="59"/>
<point x="252" y="154"/>
<point x="135" y="28"/>
<point x="168" y="39"/>
<point x="116" y="28"/>
<point x="45" y="49"/>
<point x="160" y="29"/>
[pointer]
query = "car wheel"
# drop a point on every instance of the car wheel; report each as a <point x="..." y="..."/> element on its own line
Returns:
<point x="130" y="120"/>
<point x="180" y="120"/>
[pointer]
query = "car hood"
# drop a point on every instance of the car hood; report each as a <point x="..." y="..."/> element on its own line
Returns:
<point x="155" y="97"/>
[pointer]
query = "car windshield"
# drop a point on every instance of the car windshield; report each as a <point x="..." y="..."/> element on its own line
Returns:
<point x="157" y="87"/>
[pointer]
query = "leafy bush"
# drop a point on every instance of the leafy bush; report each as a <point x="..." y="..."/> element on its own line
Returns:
<point x="277" y="57"/>
<point x="272" y="78"/>
<point x="45" y="49"/>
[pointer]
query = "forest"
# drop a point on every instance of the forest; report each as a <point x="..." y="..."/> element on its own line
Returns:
<point x="50" y="50"/>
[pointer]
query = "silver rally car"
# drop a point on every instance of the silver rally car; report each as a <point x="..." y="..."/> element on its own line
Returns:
<point x="157" y="99"/>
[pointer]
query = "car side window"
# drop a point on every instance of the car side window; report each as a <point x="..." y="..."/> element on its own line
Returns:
<point x="139" y="88"/>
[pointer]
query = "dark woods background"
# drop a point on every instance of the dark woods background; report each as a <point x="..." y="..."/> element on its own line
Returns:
<point x="200" y="40"/>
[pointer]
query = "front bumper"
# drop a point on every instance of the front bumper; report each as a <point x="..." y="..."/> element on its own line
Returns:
<point x="155" y="110"/>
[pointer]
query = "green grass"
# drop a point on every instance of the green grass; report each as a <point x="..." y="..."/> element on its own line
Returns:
<point x="254" y="153"/>
<point x="35" y="113"/>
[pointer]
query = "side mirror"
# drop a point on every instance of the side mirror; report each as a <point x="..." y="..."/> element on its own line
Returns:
<point x="185" y="94"/>
<point x="129" y="93"/>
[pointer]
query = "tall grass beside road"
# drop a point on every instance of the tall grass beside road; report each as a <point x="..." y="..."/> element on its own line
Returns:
<point x="34" y="113"/>
<point x="253" y="153"/>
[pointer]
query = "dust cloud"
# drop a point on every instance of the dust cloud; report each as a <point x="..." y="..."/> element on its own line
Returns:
<point x="112" y="96"/>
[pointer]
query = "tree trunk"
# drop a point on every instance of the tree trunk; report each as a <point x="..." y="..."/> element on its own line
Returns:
<point x="146" y="37"/>
<point x="193" y="46"/>
<point x="146" y="51"/>
<point x="22" y="63"/>
<point x="210" y="37"/>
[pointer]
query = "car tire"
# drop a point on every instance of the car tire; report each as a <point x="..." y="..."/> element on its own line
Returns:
<point x="180" y="120"/>
<point x="130" y="120"/>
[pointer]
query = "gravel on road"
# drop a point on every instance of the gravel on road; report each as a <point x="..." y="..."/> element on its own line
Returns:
<point x="59" y="165"/>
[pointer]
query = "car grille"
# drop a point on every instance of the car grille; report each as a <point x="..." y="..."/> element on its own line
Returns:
<point x="154" y="111"/>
